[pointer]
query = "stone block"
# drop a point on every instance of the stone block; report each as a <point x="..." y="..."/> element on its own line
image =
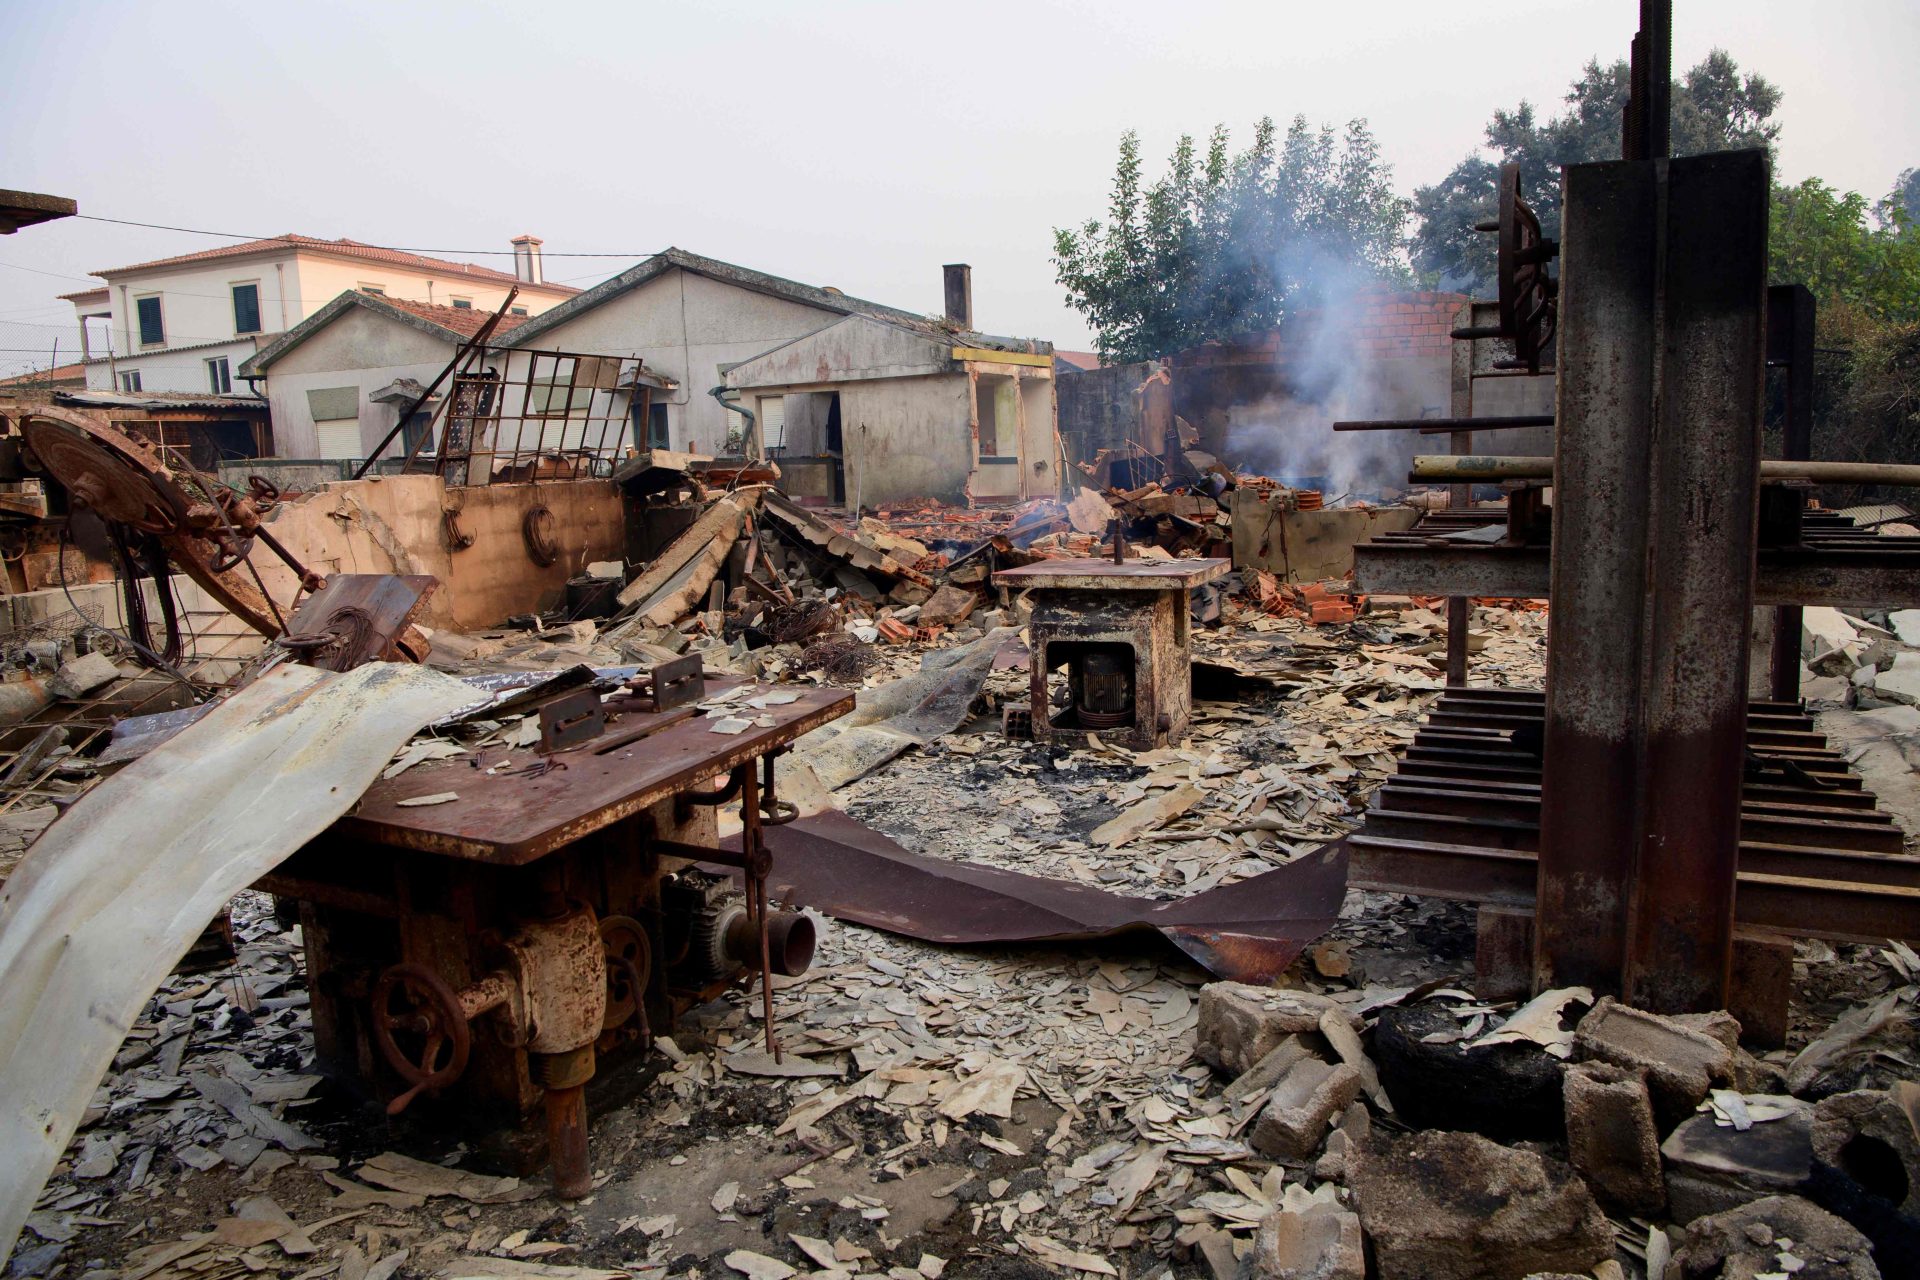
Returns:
<point x="1611" y="1140"/>
<point x="1293" y="1124"/>
<point x="84" y="674"/>
<point x="1263" y="1073"/>
<point x="1773" y="1236"/>
<point x="1711" y="1167"/>
<point x="1240" y="1024"/>
<point x="1456" y="1206"/>
<point x="1505" y="1091"/>
<point x="1865" y="1135"/>
<point x="1320" y="1243"/>
<point x="1681" y="1064"/>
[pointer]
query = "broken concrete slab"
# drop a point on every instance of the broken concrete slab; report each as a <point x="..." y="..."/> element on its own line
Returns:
<point x="1293" y="1125"/>
<point x="1682" y="1064"/>
<point x="1711" y="1167"/>
<point x="84" y="674"/>
<point x="1825" y="634"/>
<point x="1899" y="683"/>
<point x="1319" y="1243"/>
<point x="1611" y="1139"/>
<point x="1905" y="624"/>
<point x="1456" y="1206"/>
<point x="1240" y="1024"/>
<point x="1774" y="1236"/>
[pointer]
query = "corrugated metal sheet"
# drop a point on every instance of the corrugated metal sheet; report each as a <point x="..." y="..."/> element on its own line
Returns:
<point x="113" y="894"/>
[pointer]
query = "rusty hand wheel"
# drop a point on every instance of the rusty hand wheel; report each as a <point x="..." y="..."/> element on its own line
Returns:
<point x="431" y="1013"/>
<point x="629" y="970"/>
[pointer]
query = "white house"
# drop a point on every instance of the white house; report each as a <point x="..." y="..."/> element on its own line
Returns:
<point x="729" y="337"/>
<point x="339" y="380"/>
<point x="187" y="323"/>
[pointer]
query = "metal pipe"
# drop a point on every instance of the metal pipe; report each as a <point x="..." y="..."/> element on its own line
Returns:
<point x="746" y="436"/>
<point x="1443" y="468"/>
<point x="1440" y="426"/>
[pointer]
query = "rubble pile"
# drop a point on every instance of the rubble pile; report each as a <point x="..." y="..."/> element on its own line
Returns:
<point x="1032" y="1111"/>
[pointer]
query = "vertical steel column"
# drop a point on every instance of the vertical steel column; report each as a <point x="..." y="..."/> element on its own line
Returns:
<point x="1706" y="493"/>
<point x="1656" y="484"/>
<point x="1608" y="345"/>
<point x="1790" y="328"/>
<point x="1460" y="496"/>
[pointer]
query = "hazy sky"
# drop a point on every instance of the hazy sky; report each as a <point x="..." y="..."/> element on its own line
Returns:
<point x="854" y="144"/>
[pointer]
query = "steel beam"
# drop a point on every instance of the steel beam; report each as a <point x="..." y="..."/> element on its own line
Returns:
<point x="1603" y="446"/>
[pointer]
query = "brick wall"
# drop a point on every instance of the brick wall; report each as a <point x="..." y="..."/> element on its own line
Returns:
<point x="1381" y="323"/>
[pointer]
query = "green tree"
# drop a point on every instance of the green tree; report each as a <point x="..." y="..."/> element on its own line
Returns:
<point x="1224" y="243"/>
<point x="1715" y="108"/>
<point x="1851" y="255"/>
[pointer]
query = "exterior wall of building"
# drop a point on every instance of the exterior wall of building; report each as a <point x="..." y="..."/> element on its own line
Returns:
<point x="686" y="327"/>
<point x="357" y="349"/>
<point x="196" y="301"/>
<point x="907" y="438"/>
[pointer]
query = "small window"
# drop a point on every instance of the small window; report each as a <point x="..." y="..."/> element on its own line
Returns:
<point x="463" y="304"/>
<point x="219" y="376"/>
<point x="516" y="311"/>
<point x="649" y="428"/>
<point x="417" y="436"/>
<point x="130" y="382"/>
<point x="153" y="329"/>
<point x="246" y="308"/>
<point x="377" y="290"/>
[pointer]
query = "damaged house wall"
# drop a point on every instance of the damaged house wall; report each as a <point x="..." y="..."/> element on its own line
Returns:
<point x="918" y="418"/>
<point x="360" y="348"/>
<point x="686" y="326"/>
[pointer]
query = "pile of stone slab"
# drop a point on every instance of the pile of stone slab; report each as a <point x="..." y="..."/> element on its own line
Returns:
<point x="1866" y="659"/>
<point x="1574" y="1137"/>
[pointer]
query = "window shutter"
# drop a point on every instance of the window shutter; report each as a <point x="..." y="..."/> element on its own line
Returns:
<point x="246" y="308"/>
<point x="152" y="328"/>
<point x="340" y="438"/>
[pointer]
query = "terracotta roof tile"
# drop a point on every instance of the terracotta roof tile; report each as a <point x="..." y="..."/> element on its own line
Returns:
<point x="338" y="248"/>
<point x="465" y="321"/>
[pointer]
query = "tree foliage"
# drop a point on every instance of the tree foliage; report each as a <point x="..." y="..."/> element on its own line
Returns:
<point x="1853" y="256"/>
<point x="1715" y="108"/>
<point x="1225" y="243"/>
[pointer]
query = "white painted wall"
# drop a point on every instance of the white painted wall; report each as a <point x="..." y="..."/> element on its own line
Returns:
<point x="196" y="302"/>
<point x="685" y="327"/>
<point x="358" y="349"/>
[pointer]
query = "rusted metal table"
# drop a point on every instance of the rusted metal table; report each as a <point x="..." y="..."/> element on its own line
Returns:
<point x="1122" y="630"/>
<point x="483" y="953"/>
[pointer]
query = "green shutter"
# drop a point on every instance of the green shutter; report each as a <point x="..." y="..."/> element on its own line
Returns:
<point x="152" y="329"/>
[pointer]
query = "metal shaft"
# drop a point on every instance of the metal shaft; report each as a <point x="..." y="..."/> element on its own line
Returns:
<point x="1440" y="468"/>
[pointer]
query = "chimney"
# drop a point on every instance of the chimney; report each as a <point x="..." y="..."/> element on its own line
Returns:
<point x="526" y="259"/>
<point x="959" y="294"/>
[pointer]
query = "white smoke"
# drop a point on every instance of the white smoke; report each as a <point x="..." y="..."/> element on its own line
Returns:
<point x="1329" y="374"/>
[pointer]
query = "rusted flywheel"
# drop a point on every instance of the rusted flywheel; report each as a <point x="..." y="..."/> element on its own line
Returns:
<point x="206" y="533"/>
<point x="1529" y="297"/>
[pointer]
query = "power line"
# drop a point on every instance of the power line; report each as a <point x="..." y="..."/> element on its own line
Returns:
<point x="465" y="253"/>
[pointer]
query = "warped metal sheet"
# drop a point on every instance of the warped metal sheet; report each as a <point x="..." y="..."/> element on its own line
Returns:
<point x="1249" y="931"/>
<point x="112" y="895"/>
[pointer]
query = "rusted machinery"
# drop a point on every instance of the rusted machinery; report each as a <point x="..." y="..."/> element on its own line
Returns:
<point x="155" y="512"/>
<point x="479" y="957"/>
<point x="1640" y="827"/>
<point x="1122" y="631"/>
